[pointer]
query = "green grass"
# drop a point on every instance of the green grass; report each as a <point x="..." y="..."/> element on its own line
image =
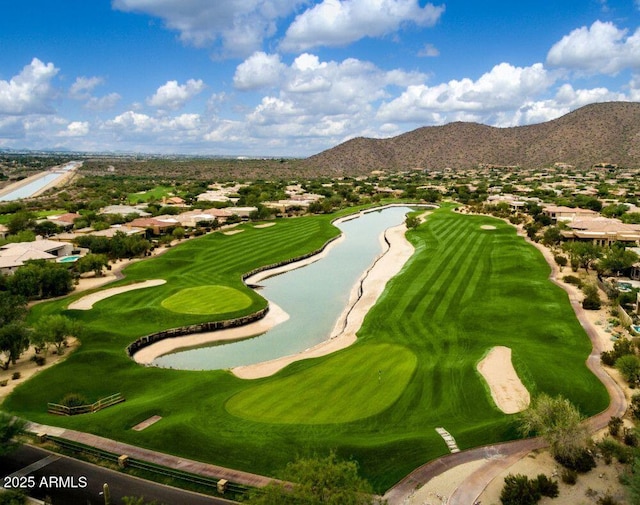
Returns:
<point x="319" y="395"/>
<point x="207" y="300"/>
<point x="156" y="194"/>
<point x="464" y="291"/>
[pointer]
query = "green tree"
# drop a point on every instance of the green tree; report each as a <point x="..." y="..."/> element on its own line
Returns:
<point x="12" y="307"/>
<point x="551" y="236"/>
<point x="92" y="263"/>
<point x="11" y="497"/>
<point x="54" y="330"/>
<point x="584" y="253"/>
<point x="14" y="340"/>
<point x="20" y="221"/>
<point x="558" y="421"/>
<point x="10" y="428"/>
<point x="317" y="481"/>
<point x="629" y="367"/>
<point x="592" y="298"/>
<point x="617" y="259"/>
<point x="178" y="233"/>
<point x="41" y="279"/>
<point x="412" y="222"/>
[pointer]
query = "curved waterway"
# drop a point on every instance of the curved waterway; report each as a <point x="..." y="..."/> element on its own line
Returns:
<point x="314" y="296"/>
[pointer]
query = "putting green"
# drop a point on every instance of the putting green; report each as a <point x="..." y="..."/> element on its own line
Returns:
<point x="207" y="300"/>
<point x="319" y="395"/>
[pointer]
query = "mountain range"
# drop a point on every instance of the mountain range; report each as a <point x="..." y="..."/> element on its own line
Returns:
<point x="598" y="133"/>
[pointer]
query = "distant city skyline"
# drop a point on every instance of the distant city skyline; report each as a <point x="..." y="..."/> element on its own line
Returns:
<point x="295" y="77"/>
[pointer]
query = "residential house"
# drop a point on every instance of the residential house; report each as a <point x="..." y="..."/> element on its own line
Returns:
<point x="602" y="231"/>
<point x="14" y="255"/>
<point x="193" y="217"/>
<point x="562" y="213"/>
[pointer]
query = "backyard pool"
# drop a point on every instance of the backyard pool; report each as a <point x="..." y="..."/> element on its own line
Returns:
<point x="69" y="259"/>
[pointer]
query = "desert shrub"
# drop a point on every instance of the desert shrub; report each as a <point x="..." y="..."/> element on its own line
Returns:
<point x="569" y="476"/>
<point x="561" y="260"/>
<point x="519" y="490"/>
<point x="546" y="486"/>
<point x="621" y="347"/>
<point x="607" y="448"/>
<point x="74" y="400"/>
<point x="635" y="405"/>
<point x="615" y="423"/>
<point x="40" y="360"/>
<point x="630" y="438"/>
<point x="608" y="500"/>
<point x="572" y="279"/>
<point x="581" y="462"/>
<point x="15" y="376"/>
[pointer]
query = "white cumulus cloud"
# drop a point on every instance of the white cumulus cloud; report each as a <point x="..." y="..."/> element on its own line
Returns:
<point x="339" y="22"/>
<point x="83" y="86"/>
<point x="260" y="70"/>
<point x="602" y="48"/>
<point x="172" y="96"/>
<point x="75" y="129"/>
<point x="505" y="87"/>
<point x="238" y="27"/>
<point x="29" y="92"/>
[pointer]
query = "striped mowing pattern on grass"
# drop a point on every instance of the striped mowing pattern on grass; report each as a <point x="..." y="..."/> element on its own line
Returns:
<point x="320" y="395"/>
<point x="464" y="291"/>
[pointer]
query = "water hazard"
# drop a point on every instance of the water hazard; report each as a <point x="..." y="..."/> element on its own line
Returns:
<point x="314" y="296"/>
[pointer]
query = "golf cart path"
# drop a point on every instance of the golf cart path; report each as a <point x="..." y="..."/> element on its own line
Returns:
<point x="159" y="458"/>
<point x="501" y="456"/>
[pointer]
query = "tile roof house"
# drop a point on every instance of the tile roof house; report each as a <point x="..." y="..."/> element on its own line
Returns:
<point x="602" y="230"/>
<point x="193" y="217"/>
<point x="14" y="255"/>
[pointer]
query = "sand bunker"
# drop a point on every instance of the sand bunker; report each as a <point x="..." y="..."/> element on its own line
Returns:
<point x="507" y="390"/>
<point x="86" y="302"/>
<point x="146" y="355"/>
<point x="232" y="232"/>
<point x="264" y="225"/>
<point x="488" y="227"/>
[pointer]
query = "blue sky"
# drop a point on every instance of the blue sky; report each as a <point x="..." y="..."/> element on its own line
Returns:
<point x="295" y="77"/>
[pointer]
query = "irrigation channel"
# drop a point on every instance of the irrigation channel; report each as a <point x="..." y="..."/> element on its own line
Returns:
<point x="314" y="296"/>
<point x="33" y="185"/>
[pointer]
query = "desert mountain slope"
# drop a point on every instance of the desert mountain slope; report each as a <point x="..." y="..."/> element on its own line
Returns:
<point x="597" y="133"/>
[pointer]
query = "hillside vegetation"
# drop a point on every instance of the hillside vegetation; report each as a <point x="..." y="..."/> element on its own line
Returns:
<point x="597" y="133"/>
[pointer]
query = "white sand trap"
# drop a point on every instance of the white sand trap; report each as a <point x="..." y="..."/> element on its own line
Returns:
<point x="86" y="302"/>
<point x="232" y="232"/>
<point x="488" y="227"/>
<point x="265" y="225"/>
<point x="507" y="389"/>
<point x="146" y="355"/>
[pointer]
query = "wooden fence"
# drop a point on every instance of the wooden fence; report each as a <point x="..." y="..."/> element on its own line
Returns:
<point x="102" y="403"/>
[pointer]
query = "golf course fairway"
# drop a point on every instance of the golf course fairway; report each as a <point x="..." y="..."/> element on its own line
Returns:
<point x="464" y="291"/>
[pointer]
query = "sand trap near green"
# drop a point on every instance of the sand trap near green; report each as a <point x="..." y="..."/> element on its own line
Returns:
<point x="319" y="395"/>
<point x="211" y="299"/>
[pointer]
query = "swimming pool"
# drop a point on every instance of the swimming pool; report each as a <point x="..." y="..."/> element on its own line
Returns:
<point x="69" y="259"/>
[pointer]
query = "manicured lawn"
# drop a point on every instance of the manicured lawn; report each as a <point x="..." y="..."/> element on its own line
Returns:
<point x="319" y="395"/>
<point x="464" y="291"/>
<point x="207" y="300"/>
<point x="156" y="193"/>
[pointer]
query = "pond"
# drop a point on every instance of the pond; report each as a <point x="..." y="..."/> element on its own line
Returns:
<point x="314" y="296"/>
